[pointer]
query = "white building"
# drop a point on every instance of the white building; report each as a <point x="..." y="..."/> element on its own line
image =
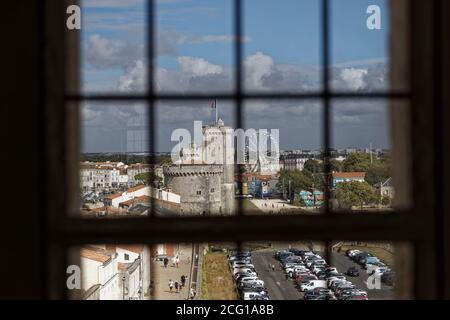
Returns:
<point x="99" y="271"/>
<point x="105" y="175"/>
<point x="294" y="162"/>
<point x="114" y="200"/>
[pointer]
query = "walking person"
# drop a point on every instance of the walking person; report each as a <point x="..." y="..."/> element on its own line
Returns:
<point x="193" y="293"/>
<point x="177" y="261"/>
<point x="166" y="262"/>
<point x="273" y="267"/>
<point x="183" y="280"/>
<point x="177" y="287"/>
<point x="170" y="285"/>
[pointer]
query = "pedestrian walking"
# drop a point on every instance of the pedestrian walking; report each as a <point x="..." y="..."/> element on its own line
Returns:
<point x="170" y="285"/>
<point x="193" y="293"/>
<point x="273" y="267"/>
<point x="177" y="261"/>
<point x="166" y="262"/>
<point x="183" y="280"/>
<point x="177" y="287"/>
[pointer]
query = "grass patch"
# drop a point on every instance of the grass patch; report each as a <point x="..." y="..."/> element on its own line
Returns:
<point x="217" y="281"/>
<point x="382" y="254"/>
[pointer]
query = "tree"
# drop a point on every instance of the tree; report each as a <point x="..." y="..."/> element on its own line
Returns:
<point x="313" y="166"/>
<point x="335" y="166"/>
<point x="148" y="178"/>
<point x="356" y="162"/>
<point x="380" y="171"/>
<point x="298" y="181"/>
<point x="355" y="193"/>
<point x="385" y="201"/>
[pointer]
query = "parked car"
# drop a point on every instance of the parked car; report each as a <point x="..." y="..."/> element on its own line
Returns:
<point x="304" y="279"/>
<point x="313" y="284"/>
<point x="310" y="262"/>
<point x="252" y="296"/>
<point x="244" y="274"/>
<point x="369" y="260"/>
<point x="237" y="270"/>
<point x="352" y="272"/>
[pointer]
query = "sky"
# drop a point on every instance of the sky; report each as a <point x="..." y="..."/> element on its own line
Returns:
<point x="194" y="54"/>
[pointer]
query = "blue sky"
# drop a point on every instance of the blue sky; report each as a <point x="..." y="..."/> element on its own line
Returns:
<point x="282" y="52"/>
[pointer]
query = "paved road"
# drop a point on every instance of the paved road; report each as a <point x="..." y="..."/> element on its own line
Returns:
<point x="281" y="289"/>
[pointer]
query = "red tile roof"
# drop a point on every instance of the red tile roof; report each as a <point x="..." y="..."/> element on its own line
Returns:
<point x="348" y="175"/>
<point x="136" y="188"/>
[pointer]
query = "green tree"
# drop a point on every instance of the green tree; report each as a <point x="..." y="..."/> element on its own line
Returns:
<point x="356" y="162"/>
<point x="335" y="166"/>
<point x="355" y="193"/>
<point x="148" y="178"/>
<point x="380" y="171"/>
<point x="298" y="181"/>
<point x="313" y="166"/>
<point x="385" y="201"/>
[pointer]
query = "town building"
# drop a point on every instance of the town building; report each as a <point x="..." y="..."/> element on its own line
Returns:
<point x="294" y="161"/>
<point x="338" y="177"/>
<point x="101" y="176"/>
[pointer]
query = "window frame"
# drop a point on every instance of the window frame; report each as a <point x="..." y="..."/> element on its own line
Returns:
<point x="420" y="225"/>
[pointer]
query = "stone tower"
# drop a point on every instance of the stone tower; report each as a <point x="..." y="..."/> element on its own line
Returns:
<point x="218" y="148"/>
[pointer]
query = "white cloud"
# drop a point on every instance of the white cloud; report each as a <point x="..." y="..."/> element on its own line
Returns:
<point x="354" y="78"/>
<point x="134" y="78"/>
<point x="105" y="53"/>
<point x="257" y="67"/>
<point x="198" y="67"/>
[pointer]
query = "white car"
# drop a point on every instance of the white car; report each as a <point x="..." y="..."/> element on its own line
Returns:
<point x="311" y="285"/>
<point x="316" y="262"/>
<point x="296" y="269"/>
<point x="243" y="264"/>
<point x="330" y="280"/>
<point x="254" y="296"/>
<point x="246" y="274"/>
<point x="256" y="282"/>
<point x="247" y="279"/>
<point x="246" y="270"/>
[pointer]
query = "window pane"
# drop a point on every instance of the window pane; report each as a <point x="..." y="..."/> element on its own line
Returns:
<point x="381" y="269"/>
<point x="116" y="176"/>
<point x="196" y="137"/>
<point x="366" y="169"/>
<point x="194" y="46"/>
<point x="283" y="169"/>
<point x="109" y="272"/>
<point x="362" y="48"/>
<point x="113" y="46"/>
<point x="282" y="47"/>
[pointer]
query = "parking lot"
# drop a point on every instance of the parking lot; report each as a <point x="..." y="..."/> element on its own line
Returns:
<point x="280" y="288"/>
